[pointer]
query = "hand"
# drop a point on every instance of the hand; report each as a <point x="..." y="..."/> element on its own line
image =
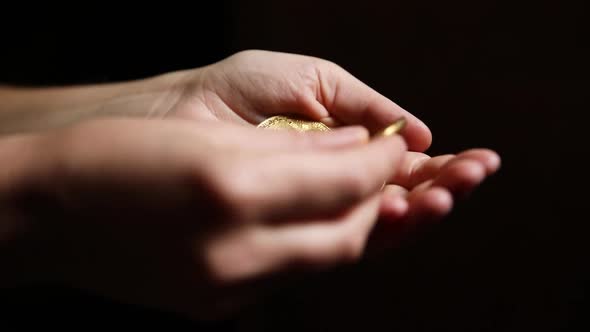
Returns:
<point x="251" y="86"/>
<point x="189" y="217"/>
<point x="424" y="189"/>
<point x="110" y="174"/>
<point x="245" y="88"/>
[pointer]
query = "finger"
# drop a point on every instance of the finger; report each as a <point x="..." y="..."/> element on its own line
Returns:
<point x="324" y="243"/>
<point x="424" y="208"/>
<point x="428" y="205"/>
<point x="298" y="185"/>
<point x="460" y="178"/>
<point x="253" y="249"/>
<point x="395" y="190"/>
<point x="431" y="201"/>
<point x="418" y="167"/>
<point x="350" y="101"/>
<point x="291" y="140"/>
<point x="486" y="157"/>
<point x="393" y="202"/>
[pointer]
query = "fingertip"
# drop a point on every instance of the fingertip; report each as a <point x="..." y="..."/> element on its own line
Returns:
<point x="430" y="205"/>
<point x="440" y="200"/>
<point x="394" y="207"/>
<point x="418" y="135"/>
<point x="472" y="172"/>
<point x="493" y="162"/>
<point x="487" y="157"/>
<point x="416" y="132"/>
<point x="462" y="176"/>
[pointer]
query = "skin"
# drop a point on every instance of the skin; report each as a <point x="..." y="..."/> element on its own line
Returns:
<point x="162" y="191"/>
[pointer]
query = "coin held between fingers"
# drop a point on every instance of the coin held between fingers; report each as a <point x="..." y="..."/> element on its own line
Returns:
<point x="393" y="128"/>
<point x="282" y="122"/>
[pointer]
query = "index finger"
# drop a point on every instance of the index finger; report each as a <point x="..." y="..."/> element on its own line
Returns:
<point x="305" y="185"/>
<point x="350" y="101"/>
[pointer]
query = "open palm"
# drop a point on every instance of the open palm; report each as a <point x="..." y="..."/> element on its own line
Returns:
<point x="254" y="85"/>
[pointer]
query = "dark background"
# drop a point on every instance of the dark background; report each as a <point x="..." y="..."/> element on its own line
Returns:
<point x="509" y="75"/>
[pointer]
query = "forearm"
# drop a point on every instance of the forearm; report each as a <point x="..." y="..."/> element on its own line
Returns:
<point x="32" y="109"/>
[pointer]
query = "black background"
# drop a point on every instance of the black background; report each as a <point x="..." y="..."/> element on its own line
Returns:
<point x="509" y="75"/>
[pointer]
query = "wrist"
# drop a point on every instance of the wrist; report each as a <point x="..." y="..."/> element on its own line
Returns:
<point x="33" y="109"/>
<point x="152" y="97"/>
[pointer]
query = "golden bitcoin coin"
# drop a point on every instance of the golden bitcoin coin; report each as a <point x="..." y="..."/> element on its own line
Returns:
<point x="283" y="122"/>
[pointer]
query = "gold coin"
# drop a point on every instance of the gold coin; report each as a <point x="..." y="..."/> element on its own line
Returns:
<point x="393" y="128"/>
<point x="282" y="122"/>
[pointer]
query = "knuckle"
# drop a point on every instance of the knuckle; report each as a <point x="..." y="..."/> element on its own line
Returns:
<point x="328" y="69"/>
<point x="247" y="54"/>
<point x="327" y="65"/>
<point x="234" y="188"/>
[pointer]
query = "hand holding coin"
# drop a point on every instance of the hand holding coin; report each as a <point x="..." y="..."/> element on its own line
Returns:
<point x="203" y="210"/>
